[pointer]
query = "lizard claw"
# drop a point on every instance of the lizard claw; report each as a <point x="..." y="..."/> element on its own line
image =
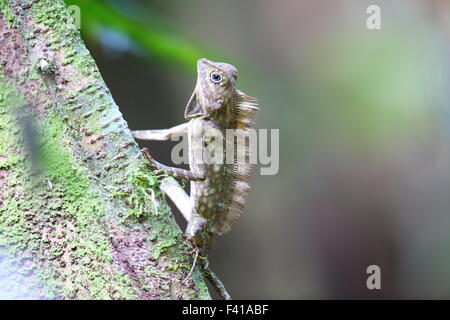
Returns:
<point x="196" y="251"/>
<point x="148" y="157"/>
<point x="146" y="154"/>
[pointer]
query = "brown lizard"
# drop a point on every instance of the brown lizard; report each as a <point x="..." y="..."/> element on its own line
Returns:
<point x="219" y="188"/>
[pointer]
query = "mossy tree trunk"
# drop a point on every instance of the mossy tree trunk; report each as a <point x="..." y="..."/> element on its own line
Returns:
<point x="81" y="217"/>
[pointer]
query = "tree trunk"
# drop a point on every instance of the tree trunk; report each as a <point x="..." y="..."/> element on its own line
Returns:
<point x="81" y="217"/>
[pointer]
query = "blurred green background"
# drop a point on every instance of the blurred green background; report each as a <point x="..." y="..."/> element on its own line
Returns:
<point x="364" y="132"/>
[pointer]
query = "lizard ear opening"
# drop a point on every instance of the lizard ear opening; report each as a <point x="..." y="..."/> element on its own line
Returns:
<point x="193" y="108"/>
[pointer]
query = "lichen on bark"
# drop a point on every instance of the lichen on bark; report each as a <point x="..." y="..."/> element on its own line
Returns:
<point x="75" y="216"/>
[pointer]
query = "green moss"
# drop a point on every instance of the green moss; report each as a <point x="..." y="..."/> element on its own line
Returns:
<point x="173" y="266"/>
<point x="54" y="210"/>
<point x="6" y="12"/>
<point x="203" y="291"/>
<point x="161" y="247"/>
<point x="72" y="215"/>
<point x="83" y="204"/>
<point x="144" y="196"/>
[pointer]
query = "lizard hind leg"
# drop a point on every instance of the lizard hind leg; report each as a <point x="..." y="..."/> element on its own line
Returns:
<point x="196" y="224"/>
<point x="194" y="230"/>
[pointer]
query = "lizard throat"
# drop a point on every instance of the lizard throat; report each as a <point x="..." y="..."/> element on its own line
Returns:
<point x="225" y="116"/>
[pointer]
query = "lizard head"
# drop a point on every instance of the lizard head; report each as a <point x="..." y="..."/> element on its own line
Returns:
<point x="215" y="87"/>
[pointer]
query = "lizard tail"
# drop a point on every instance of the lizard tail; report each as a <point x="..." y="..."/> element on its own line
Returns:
<point x="216" y="283"/>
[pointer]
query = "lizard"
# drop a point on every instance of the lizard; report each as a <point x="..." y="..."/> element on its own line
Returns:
<point x="219" y="188"/>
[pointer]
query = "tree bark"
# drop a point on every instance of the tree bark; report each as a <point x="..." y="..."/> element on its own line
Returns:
<point x="81" y="217"/>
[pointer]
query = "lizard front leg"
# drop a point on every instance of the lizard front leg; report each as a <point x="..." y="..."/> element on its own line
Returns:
<point x="161" y="134"/>
<point x="174" y="172"/>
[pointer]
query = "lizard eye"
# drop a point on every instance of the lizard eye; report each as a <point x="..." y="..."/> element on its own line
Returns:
<point x="216" y="77"/>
